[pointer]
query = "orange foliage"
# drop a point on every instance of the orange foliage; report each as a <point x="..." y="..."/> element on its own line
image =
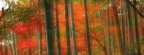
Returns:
<point x="27" y="44"/>
<point x="81" y="43"/>
<point x="93" y="7"/>
<point x="21" y="28"/>
<point x="64" y="46"/>
<point x="96" y="35"/>
<point x="30" y="43"/>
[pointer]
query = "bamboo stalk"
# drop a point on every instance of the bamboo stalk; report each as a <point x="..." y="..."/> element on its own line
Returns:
<point x="67" y="27"/>
<point x="48" y="5"/>
<point x="39" y="35"/>
<point x="123" y="24"/>
<point x="136" y="30"/>
<point x="130" y="31"/>
<point x="118" y="27"/>
<point x="73" y="28"/>
<point x="12" y="33"/>
<point x="87" y="28"/>
<point x="108" y="28"/>
<point x="58" y="28"/>
<point x="5" y="37"/>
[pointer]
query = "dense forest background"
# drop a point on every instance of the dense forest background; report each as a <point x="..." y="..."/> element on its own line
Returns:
<point x="72" y="27"/>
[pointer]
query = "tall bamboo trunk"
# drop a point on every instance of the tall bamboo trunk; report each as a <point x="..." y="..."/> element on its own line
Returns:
<point x="73" y="28"/>
<point x="67" y="27"/>
<point x="118" y="27"/>
<point x="123" y="23"/>
<point x="108" y="28"/>
<point x="12" y="33"/>
<point x="48" y="9"/>
<point x="5" y="34"/>
<point x="87" y="28"/>
<point x="39" y="34"/>
<point x="137" y="30"/>
<point x="130" y="31"/>
<point x="57" y="28"/>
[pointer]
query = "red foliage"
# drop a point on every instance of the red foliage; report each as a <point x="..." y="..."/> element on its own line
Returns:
<point x="24" y="28"/>
<point x="27" y="44"/>
<point x="37" y="23"/>
<point x="21" y="28"/>
<point x="30" y="43"/>
<point x="2" y="53"/>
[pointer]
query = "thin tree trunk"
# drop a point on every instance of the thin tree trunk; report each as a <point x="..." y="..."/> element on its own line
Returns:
<point x="39" y="37"/>
<point x="108" y="28"/>
<point x="118" y="28"/>
<point x="136" y="30"/>
<point x="57" y="27"/>
<point x="5" y="35"/>
<point x="87" y="28"/>
<point x="73" y="28"/>
<point x="12" y="33"/>
<point x="130" y="32"/>
<point x="123" y="24"/>
<point x="48" y="6"/>
<point x="39" y="34"/>
<point x="67" y="27"/>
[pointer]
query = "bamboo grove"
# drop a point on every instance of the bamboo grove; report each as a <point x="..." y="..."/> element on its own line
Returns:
<point x="72" y="27"/>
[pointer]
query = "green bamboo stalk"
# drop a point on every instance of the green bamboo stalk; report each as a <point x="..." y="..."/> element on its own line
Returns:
<point x="5" y="34"/>
<point x="13" y="44"/>
<point x="130" y="31"/>
<point x="137" y="30"/>
<point x="108" y="28"/>
<point x="12" y="33"/>
<point x="39" y="35"/>
<point x="67" y="27"/>
<point x="118" y="27"/>
<point x="58" y="29"/>
<point x="87" y="28"/>
<point x="73" y="28"/>
<point x="16" y="48"/>
<point x="122" y="22"/>
<point x="48" y="5"/>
